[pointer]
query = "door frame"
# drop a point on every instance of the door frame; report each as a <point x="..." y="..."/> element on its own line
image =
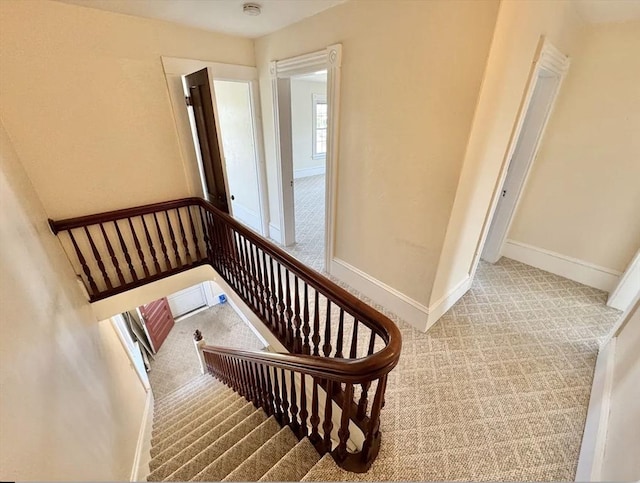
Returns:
<point x="329" y="59"/>
<point x="176" y="68"/>
<point x="547" y="59"/>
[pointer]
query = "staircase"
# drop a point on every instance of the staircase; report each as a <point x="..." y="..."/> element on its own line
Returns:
<point x="324" y="385"/>
<point x="204" y="431"/>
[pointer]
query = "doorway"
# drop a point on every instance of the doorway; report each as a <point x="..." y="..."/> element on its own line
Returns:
<point x="309" y="152"/>
<point x="219" y="130"/>
<point x="306" y="112"/>
<point x="547" y="76"/>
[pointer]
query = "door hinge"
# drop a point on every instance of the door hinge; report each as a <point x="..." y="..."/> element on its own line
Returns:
<point x="188" y="101"/>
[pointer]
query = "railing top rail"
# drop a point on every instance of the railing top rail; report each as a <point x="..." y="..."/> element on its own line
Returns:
<point x="380" y="362"/>
<point x="340" y="370"/>
<point x="81" y="221"/>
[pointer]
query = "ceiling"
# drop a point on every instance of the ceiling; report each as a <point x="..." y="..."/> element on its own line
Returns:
<point x="217" y="15"/>
<point x="604" y="11"/>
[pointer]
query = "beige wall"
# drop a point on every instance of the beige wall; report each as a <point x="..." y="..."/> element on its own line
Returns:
<point x="411" y="74"/>
<point x="302" y="122"/>
<point x="583" y="193"/>
<point x="85" y="102"/>
<point x="71" y="404"/>
<point x="517" y="34"/>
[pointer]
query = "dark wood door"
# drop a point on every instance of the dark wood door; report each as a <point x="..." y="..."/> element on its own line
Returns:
<point x="158" y="321"/>
<point x="204" y="114"/>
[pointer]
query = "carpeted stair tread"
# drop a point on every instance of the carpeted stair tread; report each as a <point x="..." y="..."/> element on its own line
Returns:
<point x="196" y="385"/>
<point x="295" y="464"/>
<point x="177" y="455"/>
<point x="205" y="431"/>
<point x="192" y="397"/>
<point x="180" y="402"/>
<point x="190" y="428"/>
<point x="265" y="457"/>
<point x="190" y="421"/>
<point x="240" y="452"/>
<point x="193" y="410"/>
<point x="218" y="447"/>
<point x="319" y="471"/>
<point x="192" y="444"/>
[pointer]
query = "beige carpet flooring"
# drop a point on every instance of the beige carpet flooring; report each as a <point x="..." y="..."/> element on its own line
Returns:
<point x="309" y="194"/>
<point x="497" y="389"/>
<point x="176" y="363"/>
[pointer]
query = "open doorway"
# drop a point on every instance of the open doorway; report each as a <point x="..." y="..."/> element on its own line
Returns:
<point x="309" y="154"/>
<point x="306" y="111"/>
<point x="546" y="78"/>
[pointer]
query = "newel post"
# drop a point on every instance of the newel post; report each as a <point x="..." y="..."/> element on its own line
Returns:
<point x="199" y="343"/>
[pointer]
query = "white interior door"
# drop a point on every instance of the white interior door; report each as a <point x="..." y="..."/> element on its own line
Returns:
<point x="542" y="99"/>
<point x="237" y="131"/>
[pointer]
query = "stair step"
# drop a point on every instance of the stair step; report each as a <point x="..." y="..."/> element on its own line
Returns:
<point x="265" y="457"/>
<point x="173" y="460"/>
<point x="207" y="387"/>
<point x="183" y="438"/>
<point x="217" y="448"/>
<point x="195" y="409"/>
<point x="239" y="452"/>
<point x="188" y="423"/>
<point x="195" y="385"/>
<point x="295" y="464"/>
<point x="319" y="471"/>
<point x="179" y="403"/>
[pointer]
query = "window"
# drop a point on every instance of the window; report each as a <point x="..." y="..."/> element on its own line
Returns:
<point x="319" y="126"/>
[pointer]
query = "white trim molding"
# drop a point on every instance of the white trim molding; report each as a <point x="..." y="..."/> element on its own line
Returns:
<point x="391" y="299"/>
<point x="142" y="457"/>
<point x="274" y="233"/>
<point x="281" y="71"/>
<point x="549" y="63"/>
<point x="306" y="172"/>
<point x="572" y="268"/>
<point x="628" y="287"/>
<point x="595" y="429"/>
<point x="420" y="316"/>
<point x="440" y="307"/>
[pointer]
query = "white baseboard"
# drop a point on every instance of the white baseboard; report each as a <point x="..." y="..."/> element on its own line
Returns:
<point x="306" y="172"/>
<point x="628" y="287"/>
<point x="140" y="468"/>
<point x="440" y="307"/>
<point x="572" y="268"/>
<point x="391" y="299"/>
<point x="595" y="430"/>
<point x="274" y="233"/>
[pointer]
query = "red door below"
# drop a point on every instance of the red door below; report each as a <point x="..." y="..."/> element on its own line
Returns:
<point x="158" y="320"/>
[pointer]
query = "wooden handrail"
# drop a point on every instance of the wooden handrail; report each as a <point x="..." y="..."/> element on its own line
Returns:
<point x="320" y="282"/>
<point x="321" y="324"/>
<point x="338" y="370"/>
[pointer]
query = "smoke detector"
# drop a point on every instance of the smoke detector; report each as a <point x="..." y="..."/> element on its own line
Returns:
<point x="252" y="9"/>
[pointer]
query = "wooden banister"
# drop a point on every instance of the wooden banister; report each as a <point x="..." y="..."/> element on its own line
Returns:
<point x="315" y="319"/>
